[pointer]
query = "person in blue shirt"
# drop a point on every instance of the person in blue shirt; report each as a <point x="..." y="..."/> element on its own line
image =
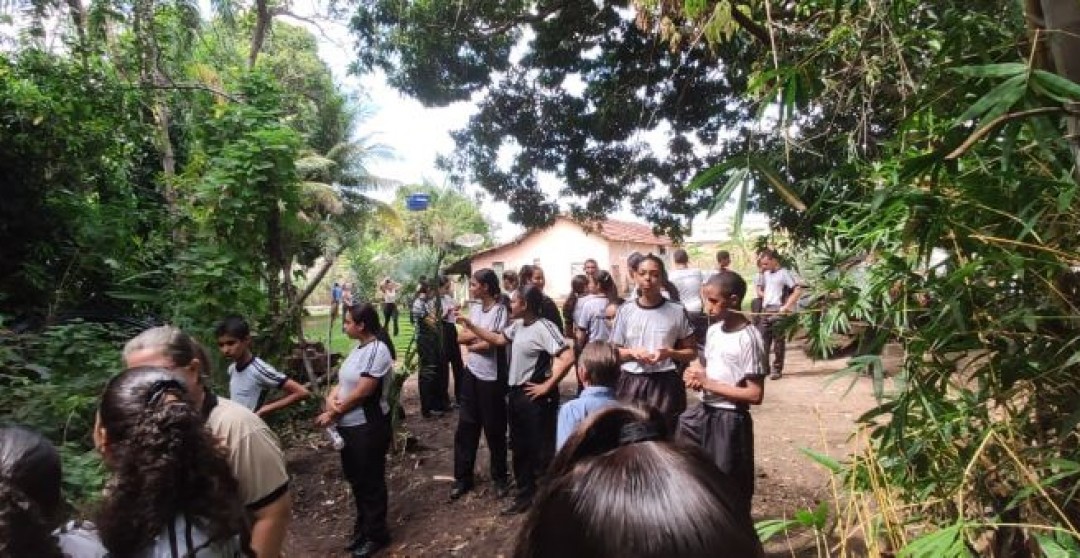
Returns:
<point x="598" y="370"/>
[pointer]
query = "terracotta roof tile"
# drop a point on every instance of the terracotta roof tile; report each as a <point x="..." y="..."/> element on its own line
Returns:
<point x="625" y="231"/>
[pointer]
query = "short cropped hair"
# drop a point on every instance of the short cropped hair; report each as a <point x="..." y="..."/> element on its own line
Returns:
<point x="234" y="326"/>
<point x="722" y="255"/>
<point x="680" y="256"/>
<point x="729" y="282"/>
<point x="600" y="360"/>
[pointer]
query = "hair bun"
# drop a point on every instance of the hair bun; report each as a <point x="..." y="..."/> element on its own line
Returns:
<point x="634" y="432"/>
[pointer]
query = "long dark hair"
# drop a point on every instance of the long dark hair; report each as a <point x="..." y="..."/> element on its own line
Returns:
<point x="672" y="290"/>
<point x="164" y="463"/>
<point x="533" y="299"/>
<point x="365" y="313"/>
<point x="619" y="488"/>
<point x="577" y="289"/>
<point x="29" y="494"/>
<point x="607" y="284"/>
<point x="489" y="280"/>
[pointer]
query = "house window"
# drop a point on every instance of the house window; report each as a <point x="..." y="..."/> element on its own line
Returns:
<point x="498" y="268"/>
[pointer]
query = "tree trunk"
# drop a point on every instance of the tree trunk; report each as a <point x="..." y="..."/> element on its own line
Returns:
<point x="1061" y="23"/>
<point x="262" y="26"/>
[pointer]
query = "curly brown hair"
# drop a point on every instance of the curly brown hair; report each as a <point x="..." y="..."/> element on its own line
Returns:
<point x="164" y="463"/>
<point x="29" y="494"/>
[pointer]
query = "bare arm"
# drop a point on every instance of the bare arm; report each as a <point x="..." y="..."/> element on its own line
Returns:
<point x="792" y="299"/>
<point x="685" y="350"/>
<point x="269" y="526"/>
<point x="751" y="392"/>
<point x="293" y="392"/>
<point x="494" y="338"/>
<point x="559" y="367"/>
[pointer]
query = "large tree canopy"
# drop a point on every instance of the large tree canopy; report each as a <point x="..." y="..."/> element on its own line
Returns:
<point x="585" y="99"/>
<point x="627" y="102"/>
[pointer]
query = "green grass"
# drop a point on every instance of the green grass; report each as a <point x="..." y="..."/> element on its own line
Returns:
<point x="316" y="328"/>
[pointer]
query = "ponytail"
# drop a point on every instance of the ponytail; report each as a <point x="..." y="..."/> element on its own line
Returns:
<point x="164" y="464"/>
<point x="29" y="494"/>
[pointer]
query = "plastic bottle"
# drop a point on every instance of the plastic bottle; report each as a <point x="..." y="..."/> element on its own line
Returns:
<point x="335" y="438"/>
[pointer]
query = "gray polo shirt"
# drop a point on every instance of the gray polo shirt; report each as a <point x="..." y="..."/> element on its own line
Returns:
<point x="533" y="347"/>
<point x="372" y="360"/>
<point x="484" y="365"/>
<point x="248" y="385"/>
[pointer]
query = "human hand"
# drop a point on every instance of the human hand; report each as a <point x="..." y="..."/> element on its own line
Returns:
<point x="536" y="391"/>
<point x="694" y="376"/>
<point x="324" y="419"/>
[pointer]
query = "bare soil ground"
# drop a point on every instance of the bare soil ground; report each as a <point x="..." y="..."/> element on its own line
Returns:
<point x="805" y="409"/>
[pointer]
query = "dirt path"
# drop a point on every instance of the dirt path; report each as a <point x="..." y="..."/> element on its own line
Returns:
<point x="804" y="409"/>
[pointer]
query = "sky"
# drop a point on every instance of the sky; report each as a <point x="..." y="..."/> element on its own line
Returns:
<point x="417" y="135"/>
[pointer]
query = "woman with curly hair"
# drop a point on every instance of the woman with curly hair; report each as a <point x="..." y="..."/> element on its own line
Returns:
<point x="30" y="502"/>
<point x="172" y="493"/>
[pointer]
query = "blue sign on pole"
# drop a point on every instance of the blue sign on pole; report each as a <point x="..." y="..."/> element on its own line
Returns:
<point x="417" y="202"/>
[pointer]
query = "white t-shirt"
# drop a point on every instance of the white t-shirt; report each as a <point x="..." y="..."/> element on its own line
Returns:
<point x="775" y="283"/>
<point x="533" y="347"/>
<point x="248" y="385"/>
<point x="660" y="326"/>
<point x="688" y="281"/>
<point x="591" y="317"/>
<point x="187" y="539"/>
<point x="389" y="295"/>
<point x="371" y="360"/>
<point x="448" y="307"/>
<point x="80" y="541"/>
<point x="485" y="365"/>
<point x="731" y="357"/>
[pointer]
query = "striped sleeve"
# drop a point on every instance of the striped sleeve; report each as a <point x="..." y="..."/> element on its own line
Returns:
<point x="753" y="354"/>
<point x="266" y="375"/>
<point x="553" y="340"/>
<point x="377" y="363"/>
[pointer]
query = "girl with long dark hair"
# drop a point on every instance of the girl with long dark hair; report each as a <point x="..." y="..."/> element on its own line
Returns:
<point x="171" y="492"/>
<point x="539" y="360"/>
<point x="589" y="324"/>
<point x="620" y="488"/>
<point x="653" y="334"/>
<point x="31" y="504"/>
<point x="483" y="391"/>
<point x="358" y="406"/>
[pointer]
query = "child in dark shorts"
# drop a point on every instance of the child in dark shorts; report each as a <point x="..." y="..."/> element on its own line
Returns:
<point x="731" y="379"/>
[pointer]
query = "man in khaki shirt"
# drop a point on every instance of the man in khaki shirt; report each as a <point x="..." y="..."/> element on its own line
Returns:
<point x="253" y="451"/>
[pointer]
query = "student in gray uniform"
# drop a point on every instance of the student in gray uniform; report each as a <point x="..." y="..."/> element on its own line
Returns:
<point x="732" y="379"/>
<point x="653" y="334"/>
<point x="483" y="395"/>
<point x="31" y="502"/>
<point x="358" y="406"/>
<point x="540" y="358"/>
<point x="172" y="493"/>
<point x="250" y="376"/>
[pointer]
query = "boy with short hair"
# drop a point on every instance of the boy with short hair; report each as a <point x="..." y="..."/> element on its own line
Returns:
<point x="732" y="379"/>
<point x="598" y="370"/>
<point x="249" y="375"/>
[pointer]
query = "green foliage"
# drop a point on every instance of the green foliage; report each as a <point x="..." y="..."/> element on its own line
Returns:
<point x="51" y="383"/>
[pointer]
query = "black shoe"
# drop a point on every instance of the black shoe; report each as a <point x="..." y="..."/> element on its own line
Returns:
<point x="432" y="414"/>
<point x="369" y="548"/>
<point x="520" y="505"/>
<point x="459" y="489"/>
<point x="502" y="489"/>
<point x="355" y="542"/>
<point x="775" y="376"/>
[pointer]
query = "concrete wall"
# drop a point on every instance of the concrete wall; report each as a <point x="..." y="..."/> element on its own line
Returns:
<point x="561" y="250"/>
